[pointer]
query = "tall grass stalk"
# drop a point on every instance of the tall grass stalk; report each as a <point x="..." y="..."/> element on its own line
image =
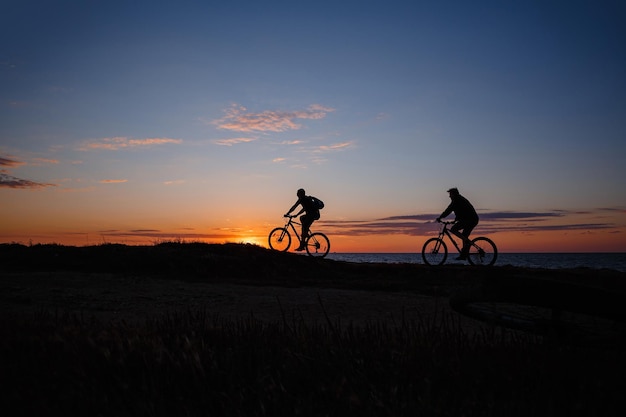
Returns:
<point x="192" y="363"/>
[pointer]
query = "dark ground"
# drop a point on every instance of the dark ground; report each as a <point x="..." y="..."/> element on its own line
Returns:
<point x="236" y="280"/>
<point x="238" y="330"/>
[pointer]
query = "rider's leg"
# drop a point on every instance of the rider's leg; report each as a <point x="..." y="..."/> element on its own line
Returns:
<point x="458" y="234"/>
<point x="467" y="243"/>
<point x="462" y="231"/>
<point x="456" y="231"/>
<point x="306" y="224"/>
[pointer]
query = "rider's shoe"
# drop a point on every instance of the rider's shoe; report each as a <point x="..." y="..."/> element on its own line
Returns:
<point x="300" y="248"/>
<point x="462" y="258"/>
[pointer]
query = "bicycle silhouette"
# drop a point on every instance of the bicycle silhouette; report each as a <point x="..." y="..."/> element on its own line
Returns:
<point x="317" y="244"/>
<point x="435" y="251"/>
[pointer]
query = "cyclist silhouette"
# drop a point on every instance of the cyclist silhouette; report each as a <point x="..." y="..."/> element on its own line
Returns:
<point x="312" y="214"/>
<point x="466" y="219"/>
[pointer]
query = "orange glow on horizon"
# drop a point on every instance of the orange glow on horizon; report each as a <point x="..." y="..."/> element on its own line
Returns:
<point x="572" y="233"/>
<point x="507" y="242"/>
<point x="560" y="241"/>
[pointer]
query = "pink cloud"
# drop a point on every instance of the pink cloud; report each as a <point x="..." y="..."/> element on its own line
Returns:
<point x="112" y="181"/>
<point x="120" y="142"/>
<point x="39" y="161"/>
<point x="335" y="147"/>
<point x="233" y="141"/>
<point x="238" y="119"/>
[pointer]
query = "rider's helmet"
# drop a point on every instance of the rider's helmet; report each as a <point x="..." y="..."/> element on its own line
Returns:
<point x="453" y="191"/>
<point x="301" y="192"/>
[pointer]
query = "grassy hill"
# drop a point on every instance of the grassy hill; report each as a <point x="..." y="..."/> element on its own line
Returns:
<point x="192" y="363"/>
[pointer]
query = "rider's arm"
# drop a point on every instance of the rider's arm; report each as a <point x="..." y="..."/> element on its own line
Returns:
<point x="293" y="208"/>
<point x="447" y="211"/>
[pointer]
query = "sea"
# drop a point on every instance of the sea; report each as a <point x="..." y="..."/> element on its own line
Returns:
<point x="614" y="261"/>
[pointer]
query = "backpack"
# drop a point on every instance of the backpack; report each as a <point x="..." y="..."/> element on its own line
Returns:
<point x="317" y="203"/>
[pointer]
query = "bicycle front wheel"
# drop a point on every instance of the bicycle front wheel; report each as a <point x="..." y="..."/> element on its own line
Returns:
<point x="280" y="239"/>
<point x="318" y="245"/>
<point x="434" y="252"/>
<point x="482" y="252"/>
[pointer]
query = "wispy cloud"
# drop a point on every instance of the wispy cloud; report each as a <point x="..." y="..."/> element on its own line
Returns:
<point x="9" y="181"/>
<point x="11" y="163"/>
<point x="120" y="142"/>
<point x="491" y="222"/>
<point x="334" y="147"/>
<point x="233" y="141"/>
<point x="112" y="181"/>
<point x="421" y="217"/>
<point x="43" y="161"/>
<point x="318" y="154"/>
<point x="174" y="182"/>
<point x="238" y="119"/>
<point x="291" y="142"/>
<point x="514" y="215"/>
<point x="618" y="209"/>
<point x="376" y="227"/>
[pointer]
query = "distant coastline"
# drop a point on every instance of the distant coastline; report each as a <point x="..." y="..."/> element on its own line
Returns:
<point x="594" y="260"/>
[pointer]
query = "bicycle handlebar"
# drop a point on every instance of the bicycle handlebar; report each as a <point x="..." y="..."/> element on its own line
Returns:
<point x="446" y="221"/>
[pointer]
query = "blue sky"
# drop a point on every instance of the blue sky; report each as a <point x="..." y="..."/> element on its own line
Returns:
<point x="201" y="117"/>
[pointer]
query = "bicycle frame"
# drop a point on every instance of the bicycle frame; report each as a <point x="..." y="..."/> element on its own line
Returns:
<point x="446" y="232"/>
<point x="291" y="223"/>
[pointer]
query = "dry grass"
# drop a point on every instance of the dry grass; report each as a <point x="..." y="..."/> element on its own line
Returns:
<point x="60" y="357"/>
<point x="191" y="363"/>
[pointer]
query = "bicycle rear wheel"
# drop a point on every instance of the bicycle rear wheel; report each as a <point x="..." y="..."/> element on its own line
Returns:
<point x="482" y="252"/>
<point x="317" y="245"/>
<point x="280" y="239"/>
<point x="434" y="252"/>
<point x="563" y="312"/>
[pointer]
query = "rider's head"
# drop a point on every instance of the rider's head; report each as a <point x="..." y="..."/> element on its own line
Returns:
<point x="453" y="192"/>
<point x="301" y="193"/>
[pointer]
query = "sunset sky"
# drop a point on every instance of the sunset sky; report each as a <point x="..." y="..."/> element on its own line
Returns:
<point x="139" y="122"/>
